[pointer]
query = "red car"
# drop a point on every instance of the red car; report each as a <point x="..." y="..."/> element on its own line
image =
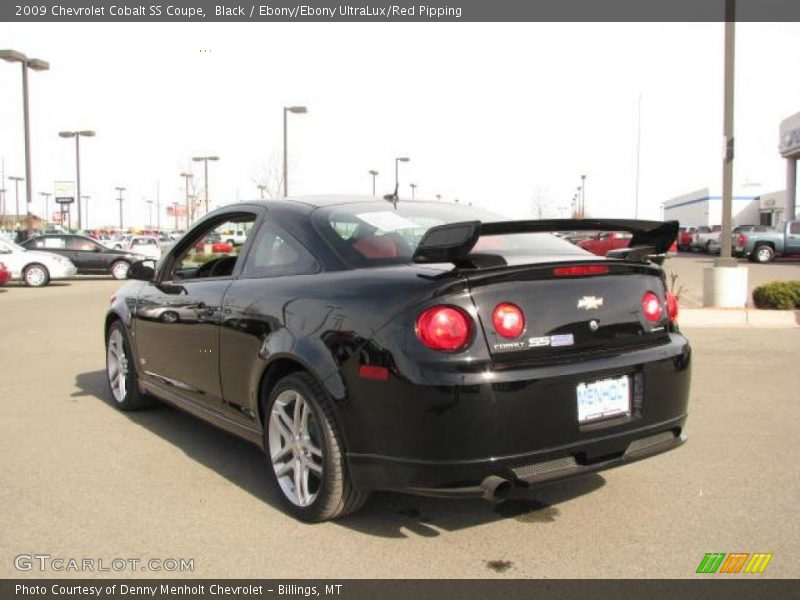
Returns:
<point x="606" y="241"/>
<point x="5" y="274"/>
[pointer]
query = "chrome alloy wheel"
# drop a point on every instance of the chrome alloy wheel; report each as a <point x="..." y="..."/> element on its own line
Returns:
<point x="295" y="448"/>
<point x="117" y="366"/>
<point x="35" y="276"/>
<point x="120" y="269"/>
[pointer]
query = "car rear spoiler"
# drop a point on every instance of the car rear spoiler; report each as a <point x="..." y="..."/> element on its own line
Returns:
<point x="453" y="242"/>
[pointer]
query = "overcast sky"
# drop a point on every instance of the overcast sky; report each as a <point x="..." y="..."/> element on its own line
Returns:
<point x="494" y="114"/>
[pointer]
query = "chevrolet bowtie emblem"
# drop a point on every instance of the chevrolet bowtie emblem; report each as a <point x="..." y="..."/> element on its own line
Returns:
<point x="590" y="302"/>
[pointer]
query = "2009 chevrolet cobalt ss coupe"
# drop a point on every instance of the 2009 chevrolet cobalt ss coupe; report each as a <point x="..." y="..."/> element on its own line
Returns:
<point x="410" y="346"/>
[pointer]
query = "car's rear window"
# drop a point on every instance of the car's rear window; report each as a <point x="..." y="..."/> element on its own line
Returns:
<point x="380" y="233"/>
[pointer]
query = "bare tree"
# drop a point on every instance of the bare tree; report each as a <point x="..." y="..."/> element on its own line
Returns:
<point x="540" y="202"/>
<point x="269" y="175"/>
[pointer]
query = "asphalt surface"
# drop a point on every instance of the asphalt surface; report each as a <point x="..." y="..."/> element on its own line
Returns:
<point x="81" y="480"/>
<point x="688" y="266"/>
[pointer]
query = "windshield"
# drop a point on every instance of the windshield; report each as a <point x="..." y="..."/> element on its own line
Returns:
<point x="378" y="233"/>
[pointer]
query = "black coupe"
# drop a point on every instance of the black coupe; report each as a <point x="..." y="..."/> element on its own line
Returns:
<point x="411" y="346"/>
<point x="89" y="256"/>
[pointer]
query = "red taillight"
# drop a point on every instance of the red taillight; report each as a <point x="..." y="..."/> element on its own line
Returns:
<point x="508" y="320"/>
<point x="578" y="270"/>
<point x="445" y="328"/>
<point x="672" y="307"/>
<point x="651" y="307"/>
<point x="742" y="240"/>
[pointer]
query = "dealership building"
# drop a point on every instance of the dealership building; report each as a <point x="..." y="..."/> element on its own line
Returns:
<point x="749" y="206"/>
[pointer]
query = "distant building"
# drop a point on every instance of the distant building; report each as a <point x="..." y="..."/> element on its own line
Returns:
<point x="14" y="222"/>
<point x="702" y="207"/>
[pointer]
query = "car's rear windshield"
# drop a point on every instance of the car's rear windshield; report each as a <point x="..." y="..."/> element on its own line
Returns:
<point x="380" y="233"/>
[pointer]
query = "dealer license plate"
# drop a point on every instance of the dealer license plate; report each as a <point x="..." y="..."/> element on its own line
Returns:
<point x="604" y="399"/>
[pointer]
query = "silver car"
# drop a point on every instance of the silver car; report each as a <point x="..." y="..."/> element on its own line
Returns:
<point x="34" y="267"/>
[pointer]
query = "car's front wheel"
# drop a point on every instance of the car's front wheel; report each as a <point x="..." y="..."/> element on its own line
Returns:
<point x="120" y="371"/>
<point x="119" y="270"/>
<point x="36" y="275"/>
<point x="305" y="452"/>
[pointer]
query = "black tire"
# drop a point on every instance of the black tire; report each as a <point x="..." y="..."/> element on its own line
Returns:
<point x="36" y="275"/>
<point x="133" y="398"/>
<point x="335" y="496"/>
<point x="763" y="254"/>
<point x="119" y="269"/>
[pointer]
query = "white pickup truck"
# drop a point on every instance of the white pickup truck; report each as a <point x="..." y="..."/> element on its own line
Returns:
<point x="702" y="237"/>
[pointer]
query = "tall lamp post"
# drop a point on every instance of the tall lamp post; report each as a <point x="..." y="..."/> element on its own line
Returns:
<point x="397" y="162"/>
<point x="2" y="204"/>
<point x="86" y="212"/>
<point x="261" y="187"/>
<point x="374" y="174"/>
<point x="298" y="110"/>
<point x="46" y="196"/>
<point x="149" y="215"/>
<point x="186" y="177"/>
<point x="413" y="190"/>
<point x="583" y="196"/>
<point x="77" y="135"/>
<point x="16" y="181"/>
<point x="119" y="199"/>
<point x="37" y="65"/>
<point x="175" y="214"/>
<point x="205" y="160"/>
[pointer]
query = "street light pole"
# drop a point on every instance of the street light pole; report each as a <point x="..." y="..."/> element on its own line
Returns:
<point x="205" y="160"/>
<point x="397" y="162"/>
<point x="374" y="174"/>
<point x="86" y="213"/>
<point x="77" y="135"/>
<point x="413" y="190"/>
<point x="119" y="199"/>
<point x="583" y="196"/>
<point x="261" y="187"/>
<point x="149" y="215"/>
<point x="725" y="259"/>
<point x="37" y="65"/>
<point x="175" y="214"/>
<point x="298" y="110"/>
<point x="186" y="177"/>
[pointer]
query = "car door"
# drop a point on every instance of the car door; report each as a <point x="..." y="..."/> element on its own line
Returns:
<point x="177" y="316"/>
<point x="793" y="238"/>
<point x="87" y="254"/>
<point x="256" y="306"/>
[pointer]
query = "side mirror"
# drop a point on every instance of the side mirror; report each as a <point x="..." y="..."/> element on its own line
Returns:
<point x="143" y="270"/>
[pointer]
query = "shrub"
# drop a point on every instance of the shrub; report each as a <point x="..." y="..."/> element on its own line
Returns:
<point x="783" y="295"/>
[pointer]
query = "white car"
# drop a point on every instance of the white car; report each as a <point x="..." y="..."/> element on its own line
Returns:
<point x="143" y="244"/>
<point x="33" y="267"/>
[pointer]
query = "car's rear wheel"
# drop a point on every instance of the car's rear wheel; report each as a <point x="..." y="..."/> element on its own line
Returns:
<point x="763" y="253"/>
<point x="121" y="373"/>
<point x="119" y="270"/>
<point x="36" y="275"/>
<point x="305" y="452"/>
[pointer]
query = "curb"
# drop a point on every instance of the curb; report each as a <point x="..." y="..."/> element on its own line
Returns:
<point x="738" y="317"/>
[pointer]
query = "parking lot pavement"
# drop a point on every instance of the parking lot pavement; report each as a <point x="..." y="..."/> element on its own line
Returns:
<point x="82" y="480"/>
<point x="689" y="268"/>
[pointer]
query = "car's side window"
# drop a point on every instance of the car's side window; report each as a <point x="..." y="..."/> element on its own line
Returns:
<point x="794" y="228"/>
<point x="79" y="244"/>
<point x="206" y="254"/>
<point x="275" y="252"/>
<point x="51" y="242"/>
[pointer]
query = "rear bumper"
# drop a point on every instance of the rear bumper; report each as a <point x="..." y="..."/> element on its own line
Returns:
<point x="537" y="467"/>
<point x="446" y="439"/>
